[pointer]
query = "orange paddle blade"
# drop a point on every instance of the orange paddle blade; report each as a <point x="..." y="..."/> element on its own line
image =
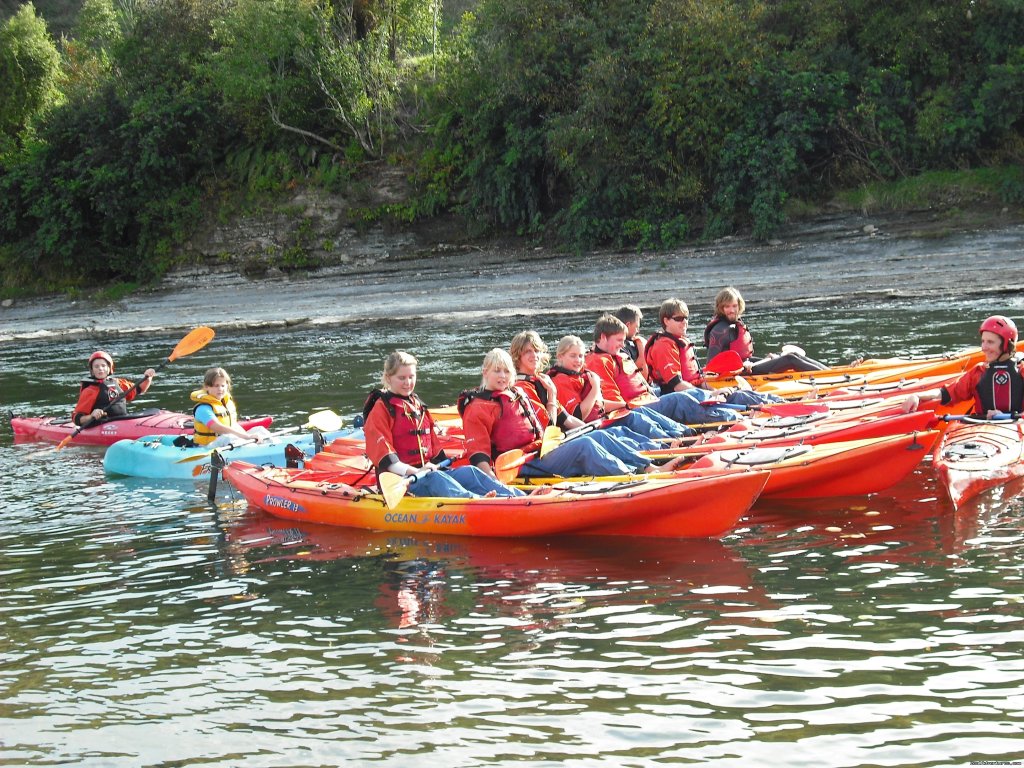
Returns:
<point x="195" y="340"/>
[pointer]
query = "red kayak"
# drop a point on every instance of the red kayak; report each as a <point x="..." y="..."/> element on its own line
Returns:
<point x="133" y="426"/>
<point x="976" y="455"/>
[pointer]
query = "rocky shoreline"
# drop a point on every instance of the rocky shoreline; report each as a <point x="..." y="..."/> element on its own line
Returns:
<point x="843" y="258"/>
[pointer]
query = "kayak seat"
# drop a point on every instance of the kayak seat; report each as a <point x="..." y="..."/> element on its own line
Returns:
<point x="965" y="451"/>
<point x="758" y="456"/>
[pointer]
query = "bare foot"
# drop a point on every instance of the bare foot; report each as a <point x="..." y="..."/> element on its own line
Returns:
<point x="543" y="490"/>
<point x="490" y="494"/>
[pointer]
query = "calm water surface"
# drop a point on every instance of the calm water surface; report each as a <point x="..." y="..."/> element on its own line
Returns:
<point x="143" y="627"/>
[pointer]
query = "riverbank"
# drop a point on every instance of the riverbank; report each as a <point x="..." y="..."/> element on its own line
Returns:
<point x="839" y="259"/>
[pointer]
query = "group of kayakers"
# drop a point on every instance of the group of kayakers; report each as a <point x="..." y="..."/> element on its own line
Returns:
<point x="611" y="403"/>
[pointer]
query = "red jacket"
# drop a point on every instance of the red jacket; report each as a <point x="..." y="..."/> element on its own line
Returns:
<point x="996" y="387"/>
<point x="671" y="360"/>
<point x="399" y="429"/>
<point x="495" y="422"/>
<point x="621" y="381"/>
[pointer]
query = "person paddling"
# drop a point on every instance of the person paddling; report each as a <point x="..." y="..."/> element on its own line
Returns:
<point x="996" y="385"/>
<point x="101" y="396"/>
<point x="498" y="418"/>
<point x="401" y="438"/>
<point x="727" y="331"/>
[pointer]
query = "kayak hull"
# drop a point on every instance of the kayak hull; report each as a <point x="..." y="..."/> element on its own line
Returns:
<point x="151" y="422"/>
<point x="156" y="456"/>
<point x="975" y="457"/>
<point x="853" y="468"/>
<point x="699" y="507"/>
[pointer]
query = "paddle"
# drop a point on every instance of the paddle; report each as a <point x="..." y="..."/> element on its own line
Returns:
<point x="195" y="340"/>
<point x="724" y="363"/>
<point x="322" y="421"/>
<point x="775" y="409"/>
<point x="394" y="487"/>
<point x="506" y="466"/>
<point x="983" y="419"/>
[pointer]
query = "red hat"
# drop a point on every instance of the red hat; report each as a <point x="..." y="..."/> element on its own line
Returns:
<point x="101" y="355"/>
<point x="1002" y="327"/>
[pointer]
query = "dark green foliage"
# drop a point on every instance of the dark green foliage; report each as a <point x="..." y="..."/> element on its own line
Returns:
<point x="601" y="121"/>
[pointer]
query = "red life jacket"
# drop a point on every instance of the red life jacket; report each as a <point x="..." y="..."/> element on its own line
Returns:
<point x="412" y="432"/>
<point x="690" y="371"/>
<point x="1000" y="388"/>
<point x="720" y="335"/>
<point x="628" y="379"/>
<point x="572" y="393"/>
<point x="107" y="390"/>
<point x="517" y="424"/>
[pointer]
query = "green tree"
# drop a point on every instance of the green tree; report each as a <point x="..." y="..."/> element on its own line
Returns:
<point x="29" y="72"/>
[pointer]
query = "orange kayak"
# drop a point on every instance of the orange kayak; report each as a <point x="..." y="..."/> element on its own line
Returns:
<point x="699" y="506"/>
<point x="873" y="370"/>
<point x="852" y="468"/>
<point x="977" y="455"/>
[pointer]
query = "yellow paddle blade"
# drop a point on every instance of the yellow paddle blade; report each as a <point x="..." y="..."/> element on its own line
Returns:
<point x="195" y="340"/>
<point x="552" y="439"/>
<point x="393" y="488"/>
<point x="325" y="421"/>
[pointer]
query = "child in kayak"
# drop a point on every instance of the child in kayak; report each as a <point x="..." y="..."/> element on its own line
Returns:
<point x="97" y="393"/>
<point x="499" y="417"/>
<point x="622" y="385"/>
<point x="401" y="438"/>
<point x="673" y="362"/>
<point x="996" y="385"/>
<point x="726" y="330"/>
<point x="634" y="345"/>
<point x="579" y="392"/>
<point x="215" y="416"/>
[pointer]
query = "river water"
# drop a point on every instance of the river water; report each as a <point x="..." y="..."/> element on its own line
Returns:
<point x="142" y="626"/>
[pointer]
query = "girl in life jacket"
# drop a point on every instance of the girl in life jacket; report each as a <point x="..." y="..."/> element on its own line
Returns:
<point x="401" y="438"/>
<point x="104" y="395"/>
<point x="996" y="385"/>
<point x="579" y="393"/>
<point x="500" y="417"/>
<point x="215" y="416"/>
<point x="727" y="331"/>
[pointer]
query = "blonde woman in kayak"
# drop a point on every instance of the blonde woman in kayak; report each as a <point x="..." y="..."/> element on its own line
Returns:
<point x="498" y="417"/>
<point x="401" y="438"/>
<point x="579" y="392"/>
<point x="727" y="331"/>
<point x="996" y="385"/>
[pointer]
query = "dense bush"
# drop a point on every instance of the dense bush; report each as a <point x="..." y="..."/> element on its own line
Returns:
<point x="640" y="123"/>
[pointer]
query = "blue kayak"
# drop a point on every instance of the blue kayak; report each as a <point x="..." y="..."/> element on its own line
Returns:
<point x="157" y="456"/>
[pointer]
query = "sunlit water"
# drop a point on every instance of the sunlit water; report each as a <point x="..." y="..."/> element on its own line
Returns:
<point x="143" y="627"/>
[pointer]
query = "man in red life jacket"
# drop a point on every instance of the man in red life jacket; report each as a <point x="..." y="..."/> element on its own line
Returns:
<point x="996" y="385"/>
<point x="623" y="386"/>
